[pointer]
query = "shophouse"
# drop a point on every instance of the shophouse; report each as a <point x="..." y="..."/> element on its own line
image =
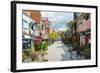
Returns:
<point x="84" y="28"/>
<point x="30" y="22"/>
<point x="45" y="27"/>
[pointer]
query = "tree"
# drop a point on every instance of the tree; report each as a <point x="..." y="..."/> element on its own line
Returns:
<point x="53" y="35"/>
<point x="71" y="23"/>
<point x="62" y="34"/>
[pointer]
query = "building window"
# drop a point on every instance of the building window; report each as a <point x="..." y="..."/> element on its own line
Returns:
<point x="25" y="21"/>
<point x="87" y="16"/>
<point x="26" y="43"/>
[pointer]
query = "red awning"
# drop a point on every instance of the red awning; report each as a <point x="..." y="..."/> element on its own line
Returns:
<point x="37" y="40"/>
<point x="86" y="26"/>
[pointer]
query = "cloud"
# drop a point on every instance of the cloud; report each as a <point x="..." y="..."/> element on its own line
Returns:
<point x="62" y="29"/>
<point x="58" y="19"/>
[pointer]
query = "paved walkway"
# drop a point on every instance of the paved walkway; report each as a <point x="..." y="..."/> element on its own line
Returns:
<point x="60" y="52"/>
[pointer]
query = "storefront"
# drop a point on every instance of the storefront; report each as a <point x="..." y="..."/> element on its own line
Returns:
<point x="85" y="32"/>
<point x="27" y="32"/>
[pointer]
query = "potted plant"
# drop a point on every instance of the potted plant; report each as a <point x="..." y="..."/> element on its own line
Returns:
<point x="43" y="47"/>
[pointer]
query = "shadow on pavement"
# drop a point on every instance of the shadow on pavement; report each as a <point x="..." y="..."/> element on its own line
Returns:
<point x="67" y="55"/>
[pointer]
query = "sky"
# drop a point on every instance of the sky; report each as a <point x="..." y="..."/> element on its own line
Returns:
<point x="58" y="19"/>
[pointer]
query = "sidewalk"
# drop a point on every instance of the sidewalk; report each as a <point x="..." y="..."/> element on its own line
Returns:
<point x="60" y="52"/>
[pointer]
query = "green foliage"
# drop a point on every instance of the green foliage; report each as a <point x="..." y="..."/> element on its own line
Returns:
<point x="34" y="54"/>
<point x="29" y="53"/>
<point x="23" y="56"/>
<point x="86" y="51"/>
<point x="70" y="41"/>
<point x="71" y="23"/>
<point x="53" y="35"/>
<point x="37" y="47"/>
<point x="62" y="34"/>
<point x="43" y="46"/>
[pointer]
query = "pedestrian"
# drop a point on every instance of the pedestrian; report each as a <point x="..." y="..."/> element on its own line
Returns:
<point x="78" y="51"/>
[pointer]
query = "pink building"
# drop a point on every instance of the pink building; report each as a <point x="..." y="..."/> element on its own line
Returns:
<point x="45" y="27"/>
<point x="84" y="28"/>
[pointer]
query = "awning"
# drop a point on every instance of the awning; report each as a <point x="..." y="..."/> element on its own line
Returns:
<point x="27" y="36"/>
<point x="85" y="26"/>
<point x="37" y="39"/>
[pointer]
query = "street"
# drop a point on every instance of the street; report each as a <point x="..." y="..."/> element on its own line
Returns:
<point x="55" y="36"/>
<point x="60" y="52"/>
